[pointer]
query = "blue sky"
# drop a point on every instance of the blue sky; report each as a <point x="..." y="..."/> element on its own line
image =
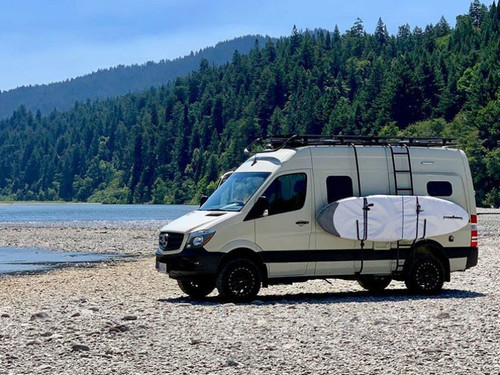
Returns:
<point x="49" y="41"/>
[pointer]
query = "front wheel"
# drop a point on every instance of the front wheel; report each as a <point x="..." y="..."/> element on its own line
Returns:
<point x="196" y="287"/>
<point x="239" y="280"/>
<point x="374" y="284"/>
<point x="426" y="275"/>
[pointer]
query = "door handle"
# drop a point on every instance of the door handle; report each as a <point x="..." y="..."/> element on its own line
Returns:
<point x="301" y="222"/>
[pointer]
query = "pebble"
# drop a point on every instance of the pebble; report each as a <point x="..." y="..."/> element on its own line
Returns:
<point x="443" y="315"/>
<point x="129" y="317"/>
<point x="304" y="328"/>
<point x="79" y="348"/>
<point x="119" y="328"/>
<point x="231" y="363"/>
<point x="39" y="316"/>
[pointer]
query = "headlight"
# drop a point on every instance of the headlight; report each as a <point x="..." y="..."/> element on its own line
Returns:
<point x="199" y="239"/>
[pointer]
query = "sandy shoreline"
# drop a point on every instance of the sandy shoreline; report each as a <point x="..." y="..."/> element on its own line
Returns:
<point x="125" y="318"/>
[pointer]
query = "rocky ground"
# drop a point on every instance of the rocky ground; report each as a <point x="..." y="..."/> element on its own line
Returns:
<point x="132" y="241"/>
<point x="125" y="318"/>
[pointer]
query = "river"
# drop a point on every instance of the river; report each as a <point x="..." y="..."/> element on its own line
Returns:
<point x="15" y="260"/>
<point x="89" y="215"/>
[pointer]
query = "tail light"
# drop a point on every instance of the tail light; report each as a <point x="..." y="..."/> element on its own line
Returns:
<point x="473" y="230"/>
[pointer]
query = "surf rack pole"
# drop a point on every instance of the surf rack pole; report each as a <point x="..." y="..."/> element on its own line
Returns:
<point x="419" y="210"/>
<point x="366" y="208"/>
<point x="357" y="167"/>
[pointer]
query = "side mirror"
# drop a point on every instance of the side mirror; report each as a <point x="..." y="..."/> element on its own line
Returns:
<point x="203" y="200"/>
<point x="258" y="209"/>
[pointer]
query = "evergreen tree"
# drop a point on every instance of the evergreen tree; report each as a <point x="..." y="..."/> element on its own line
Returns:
<point x="170" y="144"/>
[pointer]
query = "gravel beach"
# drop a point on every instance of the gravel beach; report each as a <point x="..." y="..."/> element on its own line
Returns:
<point x="122" y="317"/>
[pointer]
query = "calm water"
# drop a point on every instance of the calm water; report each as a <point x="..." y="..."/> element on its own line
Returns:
<point x="15" y="260"/>
<point x="90" y="215"/>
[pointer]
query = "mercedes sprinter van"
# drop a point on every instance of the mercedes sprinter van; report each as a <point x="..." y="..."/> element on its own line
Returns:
<point x="260" y="227"/>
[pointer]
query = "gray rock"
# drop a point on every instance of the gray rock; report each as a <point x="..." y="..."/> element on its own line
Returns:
<point x="79" y="348"/>
<point x="129" y="317"/>
<point x="44" y="367"/>
<point x="443" y="315"/>
<point x="231" y="363"/>
<point x="39" y="316"/>
<point x="119" y="328"/>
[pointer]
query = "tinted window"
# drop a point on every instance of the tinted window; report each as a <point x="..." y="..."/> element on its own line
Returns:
<point x="286" y="193"/>
<point x="439" y="188"/>
<point x="338" y="187"/>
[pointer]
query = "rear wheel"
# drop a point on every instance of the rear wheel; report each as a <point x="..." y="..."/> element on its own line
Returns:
<point x="196" y="287"/>
<point x="426" y="275"/>
<point x="374" y="283"/>
<point x="239" y="280"/>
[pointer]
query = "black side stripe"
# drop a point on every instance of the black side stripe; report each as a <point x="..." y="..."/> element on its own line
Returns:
<point x="342" y="255"/>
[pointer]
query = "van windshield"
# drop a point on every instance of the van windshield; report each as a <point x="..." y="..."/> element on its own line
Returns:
<point x="235" y="192"/>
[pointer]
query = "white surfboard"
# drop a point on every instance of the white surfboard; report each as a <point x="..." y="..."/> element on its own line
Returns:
<point x="392" y="217"/>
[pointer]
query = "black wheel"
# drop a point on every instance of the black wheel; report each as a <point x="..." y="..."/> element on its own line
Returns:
<point x="196" y="287"/>
<point x="239" y="280"/>
<point x="374" y="283"/>
<point x="426" y="275"/>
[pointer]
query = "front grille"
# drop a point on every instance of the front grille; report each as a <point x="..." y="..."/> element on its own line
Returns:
<point x="170" y="241"/>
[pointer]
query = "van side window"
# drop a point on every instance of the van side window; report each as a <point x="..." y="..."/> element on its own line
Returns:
<point x="439" y="188"/>
<point x="286" y="193"/>
<point x="338" y="187"/>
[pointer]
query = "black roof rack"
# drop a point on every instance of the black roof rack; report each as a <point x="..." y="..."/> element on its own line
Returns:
<point x="273" y="143"/>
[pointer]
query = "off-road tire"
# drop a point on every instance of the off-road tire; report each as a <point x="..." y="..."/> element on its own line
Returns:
<point x="239" y="280"/>
<point x="426" y="275"/>
<point x="374" y="284"/>
<point x="196" y="287"/>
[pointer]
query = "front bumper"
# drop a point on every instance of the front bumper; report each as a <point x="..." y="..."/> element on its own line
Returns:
<point x="189" y="263"/>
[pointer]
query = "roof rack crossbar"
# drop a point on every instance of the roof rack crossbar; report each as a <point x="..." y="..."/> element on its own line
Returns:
<point x="274" y="143"/>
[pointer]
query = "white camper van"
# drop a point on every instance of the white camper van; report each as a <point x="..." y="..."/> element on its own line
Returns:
<point x="371" y="209"/>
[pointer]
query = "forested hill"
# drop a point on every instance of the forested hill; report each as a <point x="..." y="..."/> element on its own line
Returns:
<point x="169" y="145"/>
<point x="119" y="80"/>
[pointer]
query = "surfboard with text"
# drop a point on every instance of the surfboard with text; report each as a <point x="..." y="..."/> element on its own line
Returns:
<point x="392" y="217"/>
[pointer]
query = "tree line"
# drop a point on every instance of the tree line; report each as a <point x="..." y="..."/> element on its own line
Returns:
<point x="171" y="143"/>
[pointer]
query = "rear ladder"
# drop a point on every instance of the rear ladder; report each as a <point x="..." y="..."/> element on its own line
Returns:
<point x="403" y="176"/>
<point x="403" y="185"/>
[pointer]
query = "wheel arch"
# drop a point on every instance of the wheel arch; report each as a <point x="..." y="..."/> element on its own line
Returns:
<point x="429" y="247"/>
<point x="246" y="253"/>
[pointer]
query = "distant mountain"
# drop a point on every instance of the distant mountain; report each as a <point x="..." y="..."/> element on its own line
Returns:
<point x="119" y="80"/>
